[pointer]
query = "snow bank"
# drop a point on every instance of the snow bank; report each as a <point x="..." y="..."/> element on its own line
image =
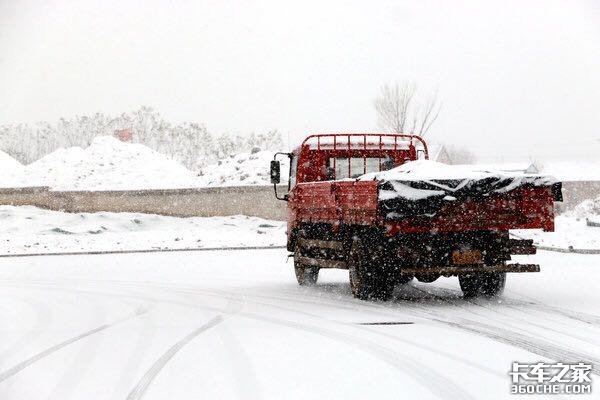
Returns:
<point x="243" y="169"/>
<point x="12" y="171"/>
<point x="108" y="164"/>
<point x="9" y="163"/>
<point x="33" y="230"/>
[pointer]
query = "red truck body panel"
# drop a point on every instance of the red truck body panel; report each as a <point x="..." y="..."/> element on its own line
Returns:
<point x="356" y="203"/>
<point x="317" y="198"/>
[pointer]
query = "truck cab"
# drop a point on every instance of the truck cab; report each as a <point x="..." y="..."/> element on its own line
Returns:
<point x="348" y="156"/>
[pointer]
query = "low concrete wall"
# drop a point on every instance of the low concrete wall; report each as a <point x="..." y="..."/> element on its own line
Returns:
<point x="256" y="201"/>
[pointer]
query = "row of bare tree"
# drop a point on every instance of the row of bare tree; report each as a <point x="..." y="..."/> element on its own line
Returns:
<point x="189" y="143"/>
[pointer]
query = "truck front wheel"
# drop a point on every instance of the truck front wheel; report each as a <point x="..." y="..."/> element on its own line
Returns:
<point x="367" y="279"/>
<point x="305" y="275"/>
<point x="487" y="285"/>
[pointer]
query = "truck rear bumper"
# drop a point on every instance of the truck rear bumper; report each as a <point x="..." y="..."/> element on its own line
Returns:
<point x="470" y="269"/>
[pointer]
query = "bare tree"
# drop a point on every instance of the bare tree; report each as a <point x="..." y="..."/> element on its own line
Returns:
<point x="393" y="105"/>
<point x="396" y="105"/>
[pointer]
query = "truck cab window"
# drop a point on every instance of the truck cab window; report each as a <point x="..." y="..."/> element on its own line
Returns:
<point x="357" y="166"/>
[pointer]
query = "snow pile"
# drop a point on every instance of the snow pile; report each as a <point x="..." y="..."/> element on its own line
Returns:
<point x="588" y="209"/>
<point x="108" y="164"/>
<point x="243" y="169"/>
<point x="33" y="230"/>
<point x="12" y="171"/>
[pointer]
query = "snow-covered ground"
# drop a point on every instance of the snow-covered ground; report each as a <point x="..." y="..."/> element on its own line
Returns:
<point x="109" y="164"/>
<point x="236" y="325"/>
<point x="26" y="230"/>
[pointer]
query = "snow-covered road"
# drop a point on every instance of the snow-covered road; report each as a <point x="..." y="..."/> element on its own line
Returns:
<point x="235" y="325"/>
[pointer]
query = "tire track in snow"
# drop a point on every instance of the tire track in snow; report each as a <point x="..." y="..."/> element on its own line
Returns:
<point x="42" y="319"/>
<point x="153" y="300"/>
<point x="515" y="339"/>
<point x="140" y="388"/>
<point x="50" y="350"/>
<point x="579" y="316"/>
<point x="569" y="332"/>
<point x="432" y="376"/>
<point x="374" y="311"/>
<point x="528" y="343"/>
<point x="507" y="303"/>
<point x="430" y="379"/>
<point x="515" y="303"/>
<point x="531" y="344"/>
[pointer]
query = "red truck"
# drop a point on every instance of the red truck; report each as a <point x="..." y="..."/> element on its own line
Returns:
<point x="375" y="205"/>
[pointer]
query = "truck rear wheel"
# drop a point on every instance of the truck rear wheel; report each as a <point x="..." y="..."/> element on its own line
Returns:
<point x="486" y="285"/>
<point x="305" y="275"/>
<point x="367" y="280"/>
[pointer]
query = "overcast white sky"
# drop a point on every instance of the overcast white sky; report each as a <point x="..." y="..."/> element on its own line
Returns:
<point x="518" y="79"/>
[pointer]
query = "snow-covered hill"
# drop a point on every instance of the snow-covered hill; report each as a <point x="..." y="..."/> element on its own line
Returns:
<point x="109" y="164"/>
<point x="12" y="171"/>
<point x="243" y="169"/>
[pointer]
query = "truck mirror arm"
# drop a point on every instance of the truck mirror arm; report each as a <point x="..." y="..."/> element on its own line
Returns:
<point x="285" y="197"/>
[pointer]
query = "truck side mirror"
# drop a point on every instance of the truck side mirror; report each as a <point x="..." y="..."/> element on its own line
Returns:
<point x="275" y="172"/>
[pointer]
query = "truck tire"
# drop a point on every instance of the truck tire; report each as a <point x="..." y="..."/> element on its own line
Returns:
<point x="305" y="275"/>
<point x="486" y="285"/>
<point x="368" y="281"/>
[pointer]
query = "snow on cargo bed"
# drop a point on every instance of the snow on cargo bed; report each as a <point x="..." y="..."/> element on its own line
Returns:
<point x="420" y="187"/>
<point x="28" y="229"/>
